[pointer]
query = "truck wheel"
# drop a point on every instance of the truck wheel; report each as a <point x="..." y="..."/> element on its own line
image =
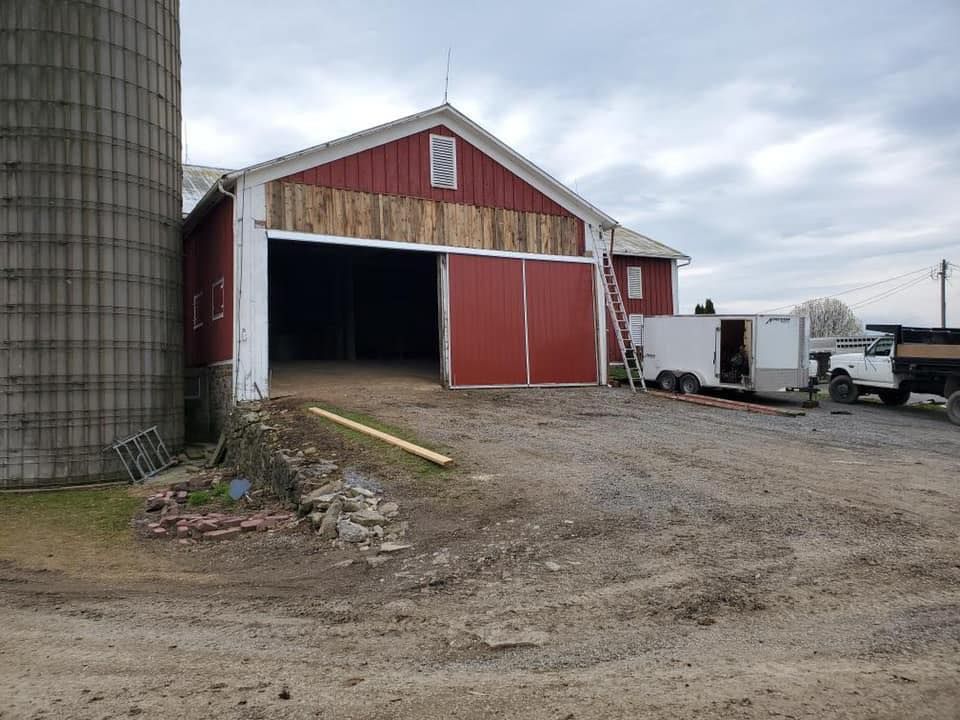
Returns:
<point x="894" y="397"/>
<point x="953" y="408"/>
<point x="843" y="390"/>
<point x="667" y="381"/>
<point x="689" y="385"/>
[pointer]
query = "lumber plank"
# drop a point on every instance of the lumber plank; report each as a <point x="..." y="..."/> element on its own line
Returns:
<point x="928" y="351"/>
<point x="409" y="447"/>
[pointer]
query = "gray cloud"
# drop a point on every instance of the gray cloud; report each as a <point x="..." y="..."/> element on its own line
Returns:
<point x="793" y="150"/>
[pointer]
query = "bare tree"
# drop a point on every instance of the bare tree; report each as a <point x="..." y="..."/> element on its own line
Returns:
<point x="829" y="317"/>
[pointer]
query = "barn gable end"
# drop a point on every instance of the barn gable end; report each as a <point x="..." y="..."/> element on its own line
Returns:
<point x="385" y="193"/>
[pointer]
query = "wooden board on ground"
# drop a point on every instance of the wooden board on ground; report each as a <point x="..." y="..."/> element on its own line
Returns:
<point x="726" y="404"/>
<point x="409" y="447"/>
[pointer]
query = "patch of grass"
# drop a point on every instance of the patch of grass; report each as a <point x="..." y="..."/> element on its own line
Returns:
<point x="219" y="492"/>
<point x="198" y="497"/>
<point x="417" y="465"/>
<point x="617" y="372"/>
<point x="86" y="532"/>
<point x="101" y="514"/>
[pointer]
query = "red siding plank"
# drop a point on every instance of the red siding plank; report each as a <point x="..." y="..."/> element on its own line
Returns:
<point x="337" y="168"/>
<point x="487" y="345"/>
<point x="561" y="322"/>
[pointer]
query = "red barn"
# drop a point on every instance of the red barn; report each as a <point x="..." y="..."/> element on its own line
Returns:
<point x="425" y="242"/>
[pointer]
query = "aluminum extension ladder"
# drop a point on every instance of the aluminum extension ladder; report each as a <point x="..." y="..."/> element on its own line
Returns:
<point x="632" y="361"/>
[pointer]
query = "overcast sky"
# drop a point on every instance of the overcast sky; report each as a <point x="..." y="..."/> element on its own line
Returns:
<point x="794" y="150"/>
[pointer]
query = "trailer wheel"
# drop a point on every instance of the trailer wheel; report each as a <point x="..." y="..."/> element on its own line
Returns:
<point x="894" y="397"/>
<point x="689" y="385"/>
<point x="953" y="408"/>
<point x="843" y="390"/>
<point x="667" y="381"/>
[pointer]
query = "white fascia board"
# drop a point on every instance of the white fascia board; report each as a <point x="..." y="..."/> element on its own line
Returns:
<point x="419" y="247"/>
<point x="455" y="121"/>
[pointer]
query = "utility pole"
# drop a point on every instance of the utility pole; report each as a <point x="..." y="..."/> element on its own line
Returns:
<point x="943" y="292"/>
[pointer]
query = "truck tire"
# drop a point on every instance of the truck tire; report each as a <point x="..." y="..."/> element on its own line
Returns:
<point x="953" y="408"/>
<point x="667" y="381"/>
<point x="689" y="385"/>
<point x="843" y="390"/>
<point x="894" y="397"/>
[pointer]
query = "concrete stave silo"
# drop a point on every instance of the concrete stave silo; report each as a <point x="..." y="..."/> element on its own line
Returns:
<point x="90" y="249"/>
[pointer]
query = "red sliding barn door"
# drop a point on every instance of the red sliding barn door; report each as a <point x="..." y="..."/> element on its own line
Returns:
<point x="521" y="322"/>
<point x="561" y="322"/>
<point x="487" y="337"/>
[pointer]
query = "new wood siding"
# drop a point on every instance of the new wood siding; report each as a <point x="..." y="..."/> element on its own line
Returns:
<point x="322" y="210"/>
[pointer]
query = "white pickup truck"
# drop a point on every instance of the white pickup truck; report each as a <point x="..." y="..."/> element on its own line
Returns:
<point x="921" y="360"/>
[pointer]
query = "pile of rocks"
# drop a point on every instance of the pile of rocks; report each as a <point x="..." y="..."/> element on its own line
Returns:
<point x="175" y="521"/>
<point x="352" y="514"/>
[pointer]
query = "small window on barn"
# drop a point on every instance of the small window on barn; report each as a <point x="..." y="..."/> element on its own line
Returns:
<point x="191" y="388"/>
<point x="443" y="162"/>
<point x="217" y="299"/>
<point x="634" y="283"/>
<point x="197" y="310"/>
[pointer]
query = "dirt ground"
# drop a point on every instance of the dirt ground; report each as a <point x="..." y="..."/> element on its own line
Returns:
<point x="652" y="559"/>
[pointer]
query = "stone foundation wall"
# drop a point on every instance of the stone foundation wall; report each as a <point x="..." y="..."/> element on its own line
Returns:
<point x="208" y="400"/>
<point x="253" y="447"/>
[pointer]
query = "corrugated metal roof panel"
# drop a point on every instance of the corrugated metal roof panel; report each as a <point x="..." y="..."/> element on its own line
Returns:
<point x="630" y="242"/>
<point x="197" y="180"/>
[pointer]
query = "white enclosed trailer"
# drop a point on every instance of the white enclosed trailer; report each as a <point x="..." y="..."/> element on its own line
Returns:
<point x="746" y="352"/>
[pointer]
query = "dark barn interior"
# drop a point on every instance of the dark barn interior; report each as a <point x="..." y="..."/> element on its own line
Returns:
<point x="342" y="304"/>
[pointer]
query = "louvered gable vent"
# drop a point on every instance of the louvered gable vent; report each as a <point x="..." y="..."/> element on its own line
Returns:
<point x="443" y="162"/>
<point x="634" y="283"/>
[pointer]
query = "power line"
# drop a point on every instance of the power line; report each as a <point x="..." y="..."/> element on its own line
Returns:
<point x="887" y="293"/>
<point x="861" y="287"/>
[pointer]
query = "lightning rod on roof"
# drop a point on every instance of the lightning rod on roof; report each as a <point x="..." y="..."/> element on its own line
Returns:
<point x="446" y="80"/>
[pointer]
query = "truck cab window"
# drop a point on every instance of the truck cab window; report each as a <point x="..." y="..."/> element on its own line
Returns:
<point x="881" y="348"/>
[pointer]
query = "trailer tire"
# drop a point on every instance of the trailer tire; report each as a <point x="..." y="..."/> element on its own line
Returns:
<point x="667" y="381"/>
<point x="843" y="390"/>
<point x="689" y="385"/>
<point x="953" y="407"/>
<point x="894" y="397"/>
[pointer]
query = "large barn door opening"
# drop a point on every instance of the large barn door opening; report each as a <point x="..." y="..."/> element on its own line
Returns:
<point x="351" y="313"/>
<point x="521" y="322"/>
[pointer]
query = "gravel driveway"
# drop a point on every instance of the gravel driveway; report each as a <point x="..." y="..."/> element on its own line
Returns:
<point x="593" y="555"/>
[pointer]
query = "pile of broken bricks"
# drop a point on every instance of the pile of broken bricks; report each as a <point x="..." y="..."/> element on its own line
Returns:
<point x="189" y="527"/>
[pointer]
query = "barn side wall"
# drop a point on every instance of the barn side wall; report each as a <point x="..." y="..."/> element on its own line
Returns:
<point x="208" y="272"/>
<point x="208" y="259"/>
<point x="657" y="274"/>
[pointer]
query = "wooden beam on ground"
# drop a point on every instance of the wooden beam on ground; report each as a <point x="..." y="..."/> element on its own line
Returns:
<point x="430" y="455"/>
<point x="728" y="404"/>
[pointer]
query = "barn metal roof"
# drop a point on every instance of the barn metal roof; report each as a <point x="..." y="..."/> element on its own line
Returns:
<point x="197" y="181"/>
<point x="630" y="242"/>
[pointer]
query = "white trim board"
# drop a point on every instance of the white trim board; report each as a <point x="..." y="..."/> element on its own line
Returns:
<point x="417" y="247"/>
